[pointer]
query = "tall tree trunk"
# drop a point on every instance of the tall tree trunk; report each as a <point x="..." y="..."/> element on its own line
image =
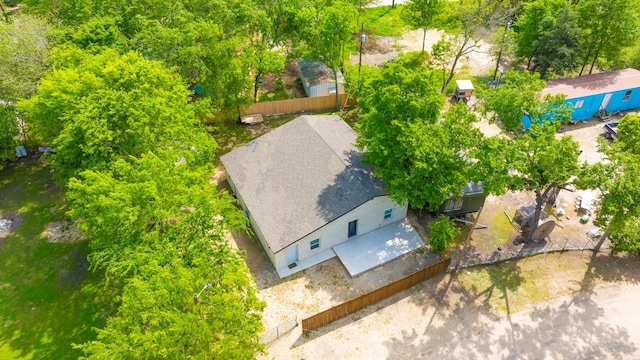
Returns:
<point x="533" y="53"/>
<point x="453" y="69"/>
<point x="595" y="57"/>
<point x="255" y="88"/>
<point x="540" y="199"/>
<point x="602" y="239"/>
<point x="424" y="38"/>
<point x="586" y="59"/>
<point x="4" y="14"/>
<point x="335" y="76"/>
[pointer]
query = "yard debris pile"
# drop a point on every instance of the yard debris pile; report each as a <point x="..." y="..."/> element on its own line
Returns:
<point x="5" y="224"/>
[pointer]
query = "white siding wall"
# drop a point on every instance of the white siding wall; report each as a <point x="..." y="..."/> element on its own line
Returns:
<point x="255" y="228"/>
<point x="370" y="216"/>
<point x="322" y="89"/>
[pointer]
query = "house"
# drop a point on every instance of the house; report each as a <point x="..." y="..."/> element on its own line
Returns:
<point x="597" y="94"/>
<point x="309" y="198"/>
<point x="318" y="79"/>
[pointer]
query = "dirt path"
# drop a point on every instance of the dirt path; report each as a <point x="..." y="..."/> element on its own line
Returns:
<point x="600" y="322"/>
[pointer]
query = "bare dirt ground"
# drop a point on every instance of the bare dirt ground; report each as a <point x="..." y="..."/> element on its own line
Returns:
<point x="382" y="49"/>
<point x="443" y="319"/>
<point x="63" y="232"/>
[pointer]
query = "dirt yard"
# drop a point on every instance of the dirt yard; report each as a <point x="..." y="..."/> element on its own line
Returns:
<point x="381" y="49"/>
<point x="590" y="313"/>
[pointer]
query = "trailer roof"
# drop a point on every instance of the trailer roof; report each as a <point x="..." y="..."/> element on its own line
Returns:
<point x="594" y="84"/>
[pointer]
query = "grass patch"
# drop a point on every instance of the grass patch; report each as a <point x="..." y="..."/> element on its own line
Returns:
<point x="383" y="20"/>
<point x="513" y="285"/>
<point x="43" y="309"/>
<point x="506" y="286"/>
<point x="276" y="94"/>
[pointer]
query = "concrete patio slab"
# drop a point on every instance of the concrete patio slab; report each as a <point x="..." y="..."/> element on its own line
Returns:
<point x="378" y="247"/>
<point x="306" y="263"/>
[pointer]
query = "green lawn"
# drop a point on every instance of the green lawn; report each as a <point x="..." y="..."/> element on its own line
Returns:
<point x="42" y="307"/>
<point x="383" y="21"/>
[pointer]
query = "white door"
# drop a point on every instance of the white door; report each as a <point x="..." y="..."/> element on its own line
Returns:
<point x="292" y="254"/>
<point x="605" y="101"/>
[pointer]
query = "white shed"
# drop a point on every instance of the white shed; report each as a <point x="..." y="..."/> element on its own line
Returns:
<point x="318" y="79"/>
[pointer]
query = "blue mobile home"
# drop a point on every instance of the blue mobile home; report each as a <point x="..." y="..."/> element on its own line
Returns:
<point x="595" y="94"/>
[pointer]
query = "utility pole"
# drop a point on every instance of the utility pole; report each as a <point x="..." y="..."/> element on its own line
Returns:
<point x="362" y="39"/>
<point x="504" y="37"/>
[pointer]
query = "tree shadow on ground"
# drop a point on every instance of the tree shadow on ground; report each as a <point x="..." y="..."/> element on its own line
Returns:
<point x="42" y="307"/>
<point x="463" y="326"/>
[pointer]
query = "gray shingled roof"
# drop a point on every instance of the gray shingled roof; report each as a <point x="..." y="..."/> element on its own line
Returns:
<point x="301" y="176"/>
<point x="594" y="84"/>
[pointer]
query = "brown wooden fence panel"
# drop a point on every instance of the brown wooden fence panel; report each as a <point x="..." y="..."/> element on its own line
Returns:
<point x="291" y="106"/>
<point x="372" y="297"/>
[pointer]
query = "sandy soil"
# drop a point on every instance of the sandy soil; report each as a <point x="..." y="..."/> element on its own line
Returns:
<point x="445" y="320"/>
<point x="384" y="49"/>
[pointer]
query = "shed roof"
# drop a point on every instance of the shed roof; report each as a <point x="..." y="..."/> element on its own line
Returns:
<point x="464" y="84"/>
<point x="594" y="84"/>
<point x="314" y="73"/>
<point x="301" y="176"/>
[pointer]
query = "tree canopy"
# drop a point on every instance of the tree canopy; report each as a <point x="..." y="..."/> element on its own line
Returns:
<point x="419" y="154"/>
<point x="618" y="208"/>
<point x="534" y="162"/>
<point x="135" y="161"/>
<point x="95" y="109"/>
<point x="24" y="50"/>
<point x="520" y="97"/>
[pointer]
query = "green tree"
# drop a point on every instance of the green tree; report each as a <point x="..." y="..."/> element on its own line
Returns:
<point x="159" y="316"/>
<point x="206" y="43"/>
<point x="441" y="53"/>
<point x="100" y="108"/>
<point x="420" y="156"/>
<point x="557" y="47"/>
<point x="520" y="96"/>
<point x="472" y="17"/>
<point x="420" y="14"/>
<point x="24" y="50"/>
<point x="602" y="37"/>
<point x="535" y="162"/>
<point x="8" y="133"/>
<point x="618" y="208"/>
<point x="535" y="18"/>
<point x="443" y="232"/>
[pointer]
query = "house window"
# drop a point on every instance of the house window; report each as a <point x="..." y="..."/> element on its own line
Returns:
<point x="353" y="228"/>
<point x="627" y="95"/>
<point x="453" y="205"/>
<point x="578" y="104"/>
<point x="315" y="244"/>
<point x="388" y="213"/>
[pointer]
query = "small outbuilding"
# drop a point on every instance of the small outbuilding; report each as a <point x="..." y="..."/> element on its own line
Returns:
<point x="464" y="89"/>
<point x="470" y="200"/>
<point x="318" y="79"/>
<point x="597" y="94"/>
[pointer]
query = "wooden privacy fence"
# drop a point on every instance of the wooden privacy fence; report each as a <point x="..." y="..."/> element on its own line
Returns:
<point x="291" y="106"/>
<point x="372" y="297"/>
